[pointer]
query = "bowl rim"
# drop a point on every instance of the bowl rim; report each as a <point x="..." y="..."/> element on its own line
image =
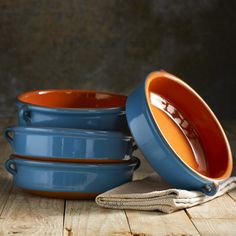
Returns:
<point x="81" y="133"/>
<point x="19" y="102"/>
<point x="158" y="74"/>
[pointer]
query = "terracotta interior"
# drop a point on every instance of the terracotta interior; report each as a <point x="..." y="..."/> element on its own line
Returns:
<point x="73" y="99"/>
<point x="188" y="125"/>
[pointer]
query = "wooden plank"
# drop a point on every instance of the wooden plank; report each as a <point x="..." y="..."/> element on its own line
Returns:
<point x="232" y="194"/>
<point x="216" y="226"/>
<point x="86" y="218"/>
<point x="5" y="187"/>
<point x="25" y="214"/>
<point x="221" y="207"/>
<point x="156" y="223"/>
<point x="217" y="217"/>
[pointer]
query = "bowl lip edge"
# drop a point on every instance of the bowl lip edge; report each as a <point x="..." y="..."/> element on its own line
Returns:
<point x="82" y="110"/>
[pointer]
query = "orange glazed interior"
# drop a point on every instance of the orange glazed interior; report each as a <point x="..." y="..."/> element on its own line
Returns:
<point x="188" y="125"/>
<point x="73" y="99"/>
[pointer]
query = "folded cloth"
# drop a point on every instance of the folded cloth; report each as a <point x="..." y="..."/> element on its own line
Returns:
<point x="152" y="193"/>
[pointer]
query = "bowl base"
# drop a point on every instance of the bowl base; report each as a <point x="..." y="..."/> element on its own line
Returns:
<point x="62" y="195"/>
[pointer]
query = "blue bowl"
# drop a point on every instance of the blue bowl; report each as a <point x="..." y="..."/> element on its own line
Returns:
<point x="62" y="143"/>
<point x="80" y="109"/>
<point x="69" y="180"/>
<point x="178" y="133"/>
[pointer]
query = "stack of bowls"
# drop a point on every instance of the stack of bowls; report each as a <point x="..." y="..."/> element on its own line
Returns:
<point x="70" y="143"/>
<point x="77" y="144"/>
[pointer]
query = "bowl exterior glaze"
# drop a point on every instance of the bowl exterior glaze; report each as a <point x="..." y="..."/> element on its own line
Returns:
<point x="68" y="143"/>
<point x="51" y="177"/>
<point x="113" y="119"/>
<point x="157" y="151"/>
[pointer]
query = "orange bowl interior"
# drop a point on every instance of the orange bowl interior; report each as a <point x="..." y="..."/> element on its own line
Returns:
<point x="188" y="125"/>
<point x="73" y="99"/>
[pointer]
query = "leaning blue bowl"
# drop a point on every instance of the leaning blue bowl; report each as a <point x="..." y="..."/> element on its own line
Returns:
<point x="158" y="151"/>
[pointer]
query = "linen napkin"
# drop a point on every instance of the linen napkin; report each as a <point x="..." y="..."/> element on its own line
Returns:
<point x="152" y="193"/>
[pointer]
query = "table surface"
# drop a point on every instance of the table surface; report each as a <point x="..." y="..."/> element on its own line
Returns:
<point x="25" y="214"/>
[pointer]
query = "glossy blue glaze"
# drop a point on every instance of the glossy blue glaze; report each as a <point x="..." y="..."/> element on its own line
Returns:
<point x="69" y="177"/>
<point x="113" y="119"/>
<point x="68" y="143"/>
<point x="157" y="151"/>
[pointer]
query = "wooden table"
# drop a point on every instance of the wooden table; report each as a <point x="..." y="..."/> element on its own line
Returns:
<point x="25" y="214"/>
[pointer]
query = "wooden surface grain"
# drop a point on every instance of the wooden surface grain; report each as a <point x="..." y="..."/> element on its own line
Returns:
<point x="25" y="214"/>
<point x="5" y="188"/>
<point x="156" y="223"/>
<point x="86" y="218"/>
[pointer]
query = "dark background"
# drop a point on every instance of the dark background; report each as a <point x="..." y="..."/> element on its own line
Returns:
<point x="113" y="45"/>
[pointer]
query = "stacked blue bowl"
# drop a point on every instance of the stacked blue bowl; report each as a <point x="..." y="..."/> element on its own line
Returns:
<point x="70" y="144"/>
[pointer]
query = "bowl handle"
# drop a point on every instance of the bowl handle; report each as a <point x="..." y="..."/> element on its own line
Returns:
<point x="8" y="165"/>
<point x="25" y="114"/>
<point x="9" y="135"/>
<point x="210" y="189"/>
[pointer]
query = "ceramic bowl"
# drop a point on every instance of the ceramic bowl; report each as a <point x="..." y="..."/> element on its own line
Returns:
<point x="180" y="135"/>
<point x="69" y="180"/>
<point x="72" y="109"/>
<point x="69" y="143"/>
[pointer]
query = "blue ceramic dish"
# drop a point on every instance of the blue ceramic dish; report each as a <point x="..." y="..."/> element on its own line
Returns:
<point x="69" y="180"/>
<point x="68" y="143"/>
<point x="80" y="109"/>
<point x="178" y="134"/>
